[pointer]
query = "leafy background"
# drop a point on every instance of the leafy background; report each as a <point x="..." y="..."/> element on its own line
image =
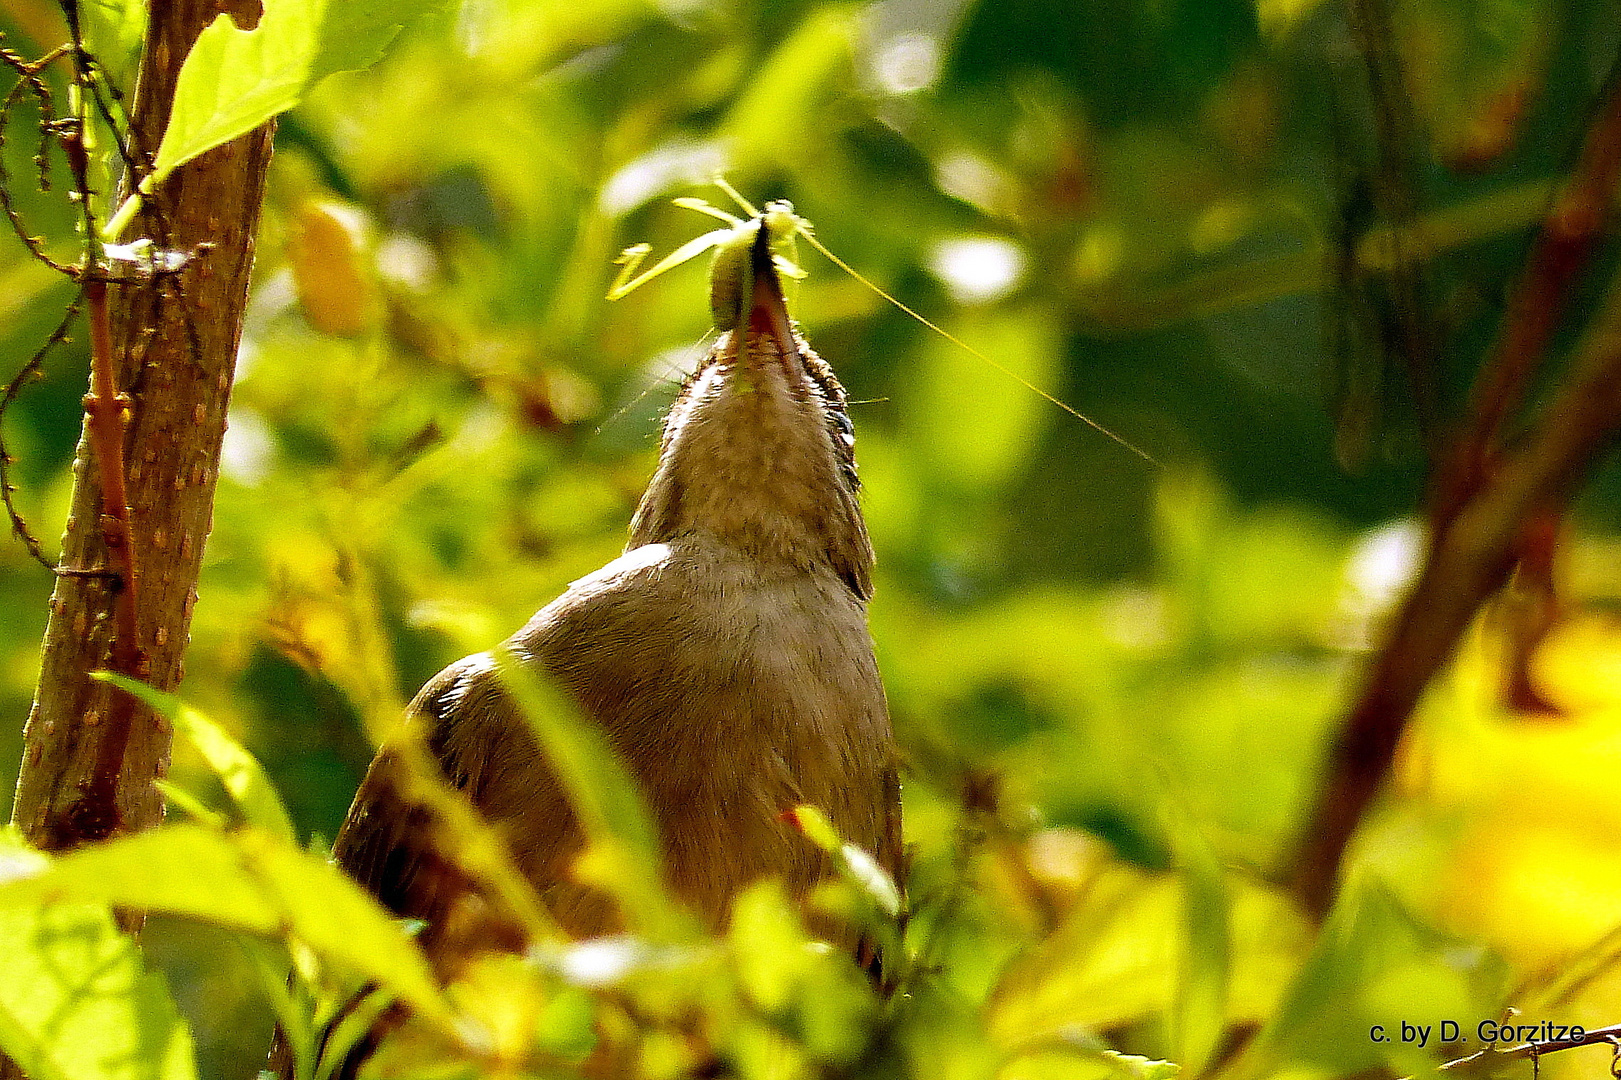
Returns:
<point x="1132" y="204"/>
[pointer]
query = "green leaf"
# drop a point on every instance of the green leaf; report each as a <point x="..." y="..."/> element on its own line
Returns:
<point x="244" y="778"/>
<point x="246" y="879"/>
<point x="1199" y="1011"/>
<point x="567" y="1027"/>
<point x="76" y="1001"/>
<point x="1107" y="964"/>
<point x="234" y="80"/>
<point x="623" y="854"/>
<point x="114" y="29"/>
<point x="1375" y="967"/>
<point x="979" y="440"/>
<point x="769" y="944"/>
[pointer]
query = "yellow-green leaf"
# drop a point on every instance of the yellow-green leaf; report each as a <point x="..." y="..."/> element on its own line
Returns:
<point x="76" y="1002"/>
<point x="247" y="879"/>
<point x="244" y="778"/>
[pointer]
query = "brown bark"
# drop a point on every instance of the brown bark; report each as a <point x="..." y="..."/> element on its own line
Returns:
<point x="1469" y="559"/>
<point x="1487" y="501"/>
<point x="91" y="753"/>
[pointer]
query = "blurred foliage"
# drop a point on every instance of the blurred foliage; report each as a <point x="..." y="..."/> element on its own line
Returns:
<point x="1111" y="681"/>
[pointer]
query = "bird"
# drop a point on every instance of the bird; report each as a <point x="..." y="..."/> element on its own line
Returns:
<point x="725" y="656"/>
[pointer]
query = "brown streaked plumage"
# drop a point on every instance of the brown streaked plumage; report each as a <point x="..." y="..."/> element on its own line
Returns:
<point x="725" y="654"/>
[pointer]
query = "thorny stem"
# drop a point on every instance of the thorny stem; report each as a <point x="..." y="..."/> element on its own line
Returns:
<point x="70" y="136"/>
<point x="108" y="413"/>
<point x="29" y="371"/>
<point x="1489" y="1059"/>
<point x="95" y="815"/>
<point x="29" y="82"/>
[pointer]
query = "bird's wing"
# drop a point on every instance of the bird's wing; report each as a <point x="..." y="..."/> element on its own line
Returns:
<point x="387" y="842"/>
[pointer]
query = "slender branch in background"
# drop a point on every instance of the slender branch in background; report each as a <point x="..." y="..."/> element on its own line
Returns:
<point x="30" y="371"/>
<point x="1488" y="502"/>
<point x="1392" y="190"/>
<point x="1561" y="250"/>
<point x="1469" y="559"/>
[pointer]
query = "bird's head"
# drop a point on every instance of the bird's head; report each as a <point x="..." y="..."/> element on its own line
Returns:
<point x="758" y="450"/>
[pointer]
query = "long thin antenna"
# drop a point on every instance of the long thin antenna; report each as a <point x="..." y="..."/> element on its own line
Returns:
<point x="810" y="238"/>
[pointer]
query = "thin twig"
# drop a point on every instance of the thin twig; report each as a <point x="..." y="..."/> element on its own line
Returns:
<point x="1569" y="233"/>
<point x="69" y="135"/>
<point x="30" y="371"/>
<point x="106" y="409"/>
<point x="1391" y="189"/>
<point x="29" y="81"/>
<point x="1488" y="1059"/>
<point x="96" y="815"/>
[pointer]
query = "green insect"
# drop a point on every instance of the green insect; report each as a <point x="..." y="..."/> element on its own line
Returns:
<point x="731" y="281"/>
<point x="730" y="277"/>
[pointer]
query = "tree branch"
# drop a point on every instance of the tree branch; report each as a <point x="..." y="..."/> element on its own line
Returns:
<point x="1489" y="1059"/>
<point x="1485" y="501"/>
<point x="1469" y="559"/>
<point x="1569" y="233"/>
<point x="91" y="753"/>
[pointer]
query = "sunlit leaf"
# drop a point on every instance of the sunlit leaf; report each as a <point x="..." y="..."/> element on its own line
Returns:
<point x="245" y="879"/>
<point x="76" y="1002"/>
<point x="244" y="778"/>
<point x="1375" y="968"/>
<point x="234" y="80"/>
<point x="838" y="1010"/>
<point x="769" y="945"/>
<point x="1110" y="962"/>
<point x="1199" y="1013"/>
<point x="623" y="852"/>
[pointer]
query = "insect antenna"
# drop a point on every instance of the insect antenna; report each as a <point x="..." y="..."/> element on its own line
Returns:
<point x="810" y="238"/>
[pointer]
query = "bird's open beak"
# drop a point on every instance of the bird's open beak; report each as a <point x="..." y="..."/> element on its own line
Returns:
<point x="768" y="309"/>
